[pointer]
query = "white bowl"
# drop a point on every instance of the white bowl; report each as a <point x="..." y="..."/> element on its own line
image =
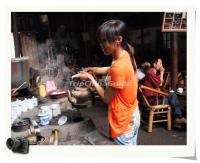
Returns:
<point x="62" y="120"/>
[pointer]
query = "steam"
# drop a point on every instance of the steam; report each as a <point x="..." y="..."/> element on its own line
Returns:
<point x="57" y="58"/>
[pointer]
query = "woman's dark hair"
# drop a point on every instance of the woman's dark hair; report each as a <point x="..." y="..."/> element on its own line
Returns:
<point x="110" y="31"/>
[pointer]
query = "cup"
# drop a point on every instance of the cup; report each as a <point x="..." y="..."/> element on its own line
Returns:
<point x="35" y="101"/>
<point x="14" y="115"/>
<point x="44" y="118"/>
<point x="17" y="108"/>
<point x="47" y="109"/>
<point x="42" y="91"/>
<point x="180" y="90"/>
<point x="24" y="106"/>
<point x="20" y="105"/>
<point x="30" y="104"/>
<point x="55" y="110"/>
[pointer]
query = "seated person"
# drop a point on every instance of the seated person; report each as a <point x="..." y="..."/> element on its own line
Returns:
<point x="142" y="71"/>
<point x="180" y="82"/>
<point x="154" y="79"/>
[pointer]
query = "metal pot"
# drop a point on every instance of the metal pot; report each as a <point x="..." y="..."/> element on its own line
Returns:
<point x="81" y="92"/>
<point x="19" y="72"/>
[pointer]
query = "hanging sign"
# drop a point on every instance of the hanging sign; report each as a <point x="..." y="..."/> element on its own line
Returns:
<point x="174" y="22"/>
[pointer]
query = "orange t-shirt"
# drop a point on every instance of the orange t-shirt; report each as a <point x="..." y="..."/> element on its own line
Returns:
<point x="122" y="77"/>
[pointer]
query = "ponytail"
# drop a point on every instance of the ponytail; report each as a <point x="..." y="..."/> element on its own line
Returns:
<point x="131" y="52"/>
<point x="110" y="30"/>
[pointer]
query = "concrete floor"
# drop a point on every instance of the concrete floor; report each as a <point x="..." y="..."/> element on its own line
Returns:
<point x="159" y="136"/>
<point x="71" y="133"/>
<point x="94" y="129"/>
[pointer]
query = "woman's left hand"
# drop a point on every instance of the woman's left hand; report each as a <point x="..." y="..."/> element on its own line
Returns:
<point x="83" y="76"/>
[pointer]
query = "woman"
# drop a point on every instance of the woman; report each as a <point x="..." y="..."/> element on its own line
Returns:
<point x="121" y="90"/>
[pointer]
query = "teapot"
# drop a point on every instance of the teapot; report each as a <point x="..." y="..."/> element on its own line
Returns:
<point x="81" y="96"/>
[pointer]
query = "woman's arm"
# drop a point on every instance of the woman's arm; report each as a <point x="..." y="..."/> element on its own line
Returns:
<point x="98" y="70"/>
<point x="105" y="94"/>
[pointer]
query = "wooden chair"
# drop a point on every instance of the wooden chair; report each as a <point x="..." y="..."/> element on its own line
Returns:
<point x="158" y="109"/>
<point x="166" y="80"/>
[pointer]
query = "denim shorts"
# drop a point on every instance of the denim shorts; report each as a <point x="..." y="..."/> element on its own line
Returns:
<point x="130" y="137"/>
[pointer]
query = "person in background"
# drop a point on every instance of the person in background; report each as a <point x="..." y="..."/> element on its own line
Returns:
<point x="180" y="80"/>
<point x="122" y="83"/>
<point x="142" y="71"/>
<point x="154" y="79"/>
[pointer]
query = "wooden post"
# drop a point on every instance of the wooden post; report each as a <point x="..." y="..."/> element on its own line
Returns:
<point x="169" y="121"/>
<point x="142" y="41"/>
<point x="174" y="56"/>
<point x="151" y="115"/>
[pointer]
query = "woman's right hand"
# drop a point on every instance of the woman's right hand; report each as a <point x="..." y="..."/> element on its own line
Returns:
<point x="91" y="70"/>
<point x="70" y="98"/>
